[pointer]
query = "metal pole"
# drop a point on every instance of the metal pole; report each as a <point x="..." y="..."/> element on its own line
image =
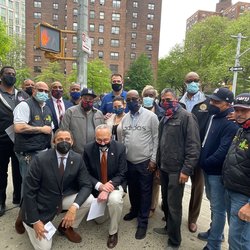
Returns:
<point x="82" y="58"/>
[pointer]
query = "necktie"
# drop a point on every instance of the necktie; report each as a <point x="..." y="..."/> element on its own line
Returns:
<point x="61" y="166"/>
<point x="104" y="172"/>
<point x="60" y="111"/>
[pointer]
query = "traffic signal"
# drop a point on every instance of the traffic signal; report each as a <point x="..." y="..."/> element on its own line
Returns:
<point x="48" y="38"/>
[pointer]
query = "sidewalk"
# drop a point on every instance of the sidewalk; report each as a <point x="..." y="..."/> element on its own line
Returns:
<point x="95" y="236"/>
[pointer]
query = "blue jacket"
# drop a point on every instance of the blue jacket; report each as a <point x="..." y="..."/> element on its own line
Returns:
<point x="217" y="142"/>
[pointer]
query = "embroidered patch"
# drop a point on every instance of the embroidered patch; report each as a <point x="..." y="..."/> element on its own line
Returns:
<point x="203" y="106"/>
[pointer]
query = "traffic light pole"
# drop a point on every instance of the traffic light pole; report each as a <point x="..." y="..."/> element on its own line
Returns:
<point x="82" y="58"/>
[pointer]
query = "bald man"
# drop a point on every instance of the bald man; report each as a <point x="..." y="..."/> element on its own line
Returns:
<point x="75" y="93"/>
<point x="194" y="101"/>
<point x="28" y="86"/>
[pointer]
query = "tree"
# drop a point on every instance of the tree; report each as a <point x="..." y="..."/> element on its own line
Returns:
<point x="139" y="74"/>
<point x="21" y="75"/>
<point x="5" y="42"/>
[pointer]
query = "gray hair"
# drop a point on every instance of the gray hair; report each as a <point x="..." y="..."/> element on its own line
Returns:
<point x="103" y="126"/>
<point x="166" y="90"/>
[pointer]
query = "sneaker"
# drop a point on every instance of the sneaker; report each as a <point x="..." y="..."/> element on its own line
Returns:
<point x="160" y="230"/>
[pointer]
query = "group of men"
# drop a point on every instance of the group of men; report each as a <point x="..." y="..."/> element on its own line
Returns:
<point x="83" y="162"/>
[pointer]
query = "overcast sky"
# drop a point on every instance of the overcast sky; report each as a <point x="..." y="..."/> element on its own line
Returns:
<point x="173" y="20"/>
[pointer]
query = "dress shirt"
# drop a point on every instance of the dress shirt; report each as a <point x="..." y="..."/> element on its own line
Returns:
<point x="56" y="107"/>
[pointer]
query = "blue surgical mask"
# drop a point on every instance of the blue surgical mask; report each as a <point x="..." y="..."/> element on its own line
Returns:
<point x="118" y="111"/>
<point x="133" y="106"/>
<point x="41" y="97"/>
<point x="193" y="87"/>
<point x="75" y="95"/>
<point x="148" y="102"/>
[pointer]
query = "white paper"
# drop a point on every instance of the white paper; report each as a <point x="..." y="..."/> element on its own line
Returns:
<point x="10" y="132"/>
<point x="96" y="210"/>
<point x="51" y="230"/>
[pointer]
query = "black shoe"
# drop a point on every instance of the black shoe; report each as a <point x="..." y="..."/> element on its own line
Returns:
<point x="141" y="233"/>
<point x="204" y="236"/>
<point x="129" y="216"/>
<point x="2" y="209"/>
<point x="16" y="201"/>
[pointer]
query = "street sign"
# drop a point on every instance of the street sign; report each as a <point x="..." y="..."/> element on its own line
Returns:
<point x="86" y="43"/>
<point x="239" y="68"/>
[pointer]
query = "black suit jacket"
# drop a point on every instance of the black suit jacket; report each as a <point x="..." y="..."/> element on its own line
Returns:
<point x="116" y="160"/>
<point x="44" y="188"/>
<point x="50" y="104"/>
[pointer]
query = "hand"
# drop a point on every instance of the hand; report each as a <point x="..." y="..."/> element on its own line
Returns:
<point x="107" y="116"/>
<point x="103" y="196"/>
<point x="46" y="129"/>
<point x="107" y="187"/>
<point x="231" y="116"/>
<point x="244" y="213"/>
<point x="151" y="167"/>
<point x="69" y="217"/>
<point x="39" y="229"/>
<point x="183" y="178"/>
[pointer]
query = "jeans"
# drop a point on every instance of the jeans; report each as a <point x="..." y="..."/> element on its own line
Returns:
<point x="215" y="193"/>
<point x="239" y="230"/>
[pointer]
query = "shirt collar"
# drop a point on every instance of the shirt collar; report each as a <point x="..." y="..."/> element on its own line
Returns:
<point x="58" y="155"/>
<point x="55" y="100"/>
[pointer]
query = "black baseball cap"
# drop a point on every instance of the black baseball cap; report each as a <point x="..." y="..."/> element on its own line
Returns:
<point x="222" y="94"/>
<point x="242" y="101"/>
<point x="86" y="91"/>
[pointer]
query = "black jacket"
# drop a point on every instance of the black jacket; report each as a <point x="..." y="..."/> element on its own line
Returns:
<point x="236" y="168"/>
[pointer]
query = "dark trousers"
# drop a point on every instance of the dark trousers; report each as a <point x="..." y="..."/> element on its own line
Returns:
<point x="172" y="193"/>
<point x="5" y="155"/>
<point x="197" y="190"/>
<point x="140" y="182"/>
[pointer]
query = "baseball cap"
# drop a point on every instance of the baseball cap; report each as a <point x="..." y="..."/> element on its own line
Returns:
<point x="242" y="101"/>
<point x="222" y="94"/>
<point x="86" y="91"/>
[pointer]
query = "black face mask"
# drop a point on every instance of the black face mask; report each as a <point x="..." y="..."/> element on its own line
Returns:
<point x="28" y="90"/>
<point x="103" y="147"/>
<point x="213" y="110"/>
<point x="9" y="81"/>
<point x="63" y="147"/>
<point x="116" y="87"/>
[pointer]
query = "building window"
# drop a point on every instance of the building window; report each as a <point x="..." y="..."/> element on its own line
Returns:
<point x="134" y="25"/>
<point x="148" y="47"/>
<point x="135" y="4"/>
<point x="150" y="26"/>
<point x="91" y="27"/>
<point x="75" y="12"/>
<point x="116" y="4"/>
<point x="92" y="39"/>
<point x="74" y="26"/>
<point x="37" y="4"/>
<point x="92" y="14"/>
<point x="116" y="17"/>
<point x="55" y="17"/>
<point x="37" y="69"/>
<point x="132" y="56"/>
<point x="74" y="39"/>
<point x="133" y="45"/>
<point x="149" y="37"/>
<point x="133" y="35"/>
<point x="74" y="52"/>
<point x="101" y="15"/>
<point x="37" y="58"/>
<point x="114" y="43"/>
<point x="55" y="6"/>
<point x="135" y="14"/>
<point x="75" y="1"/>
<point x="113" y="68"/>
<point x="102" y="2"/>
<point x="92" y="1"/>
<point x="37" y="15"/>
<point x="115" y="30"/>
<point x="100" y="41"/>
<point x="149" y="56"/>
<point x="150" y="16"/>
<point x="114" y="55"/>
<point x="101" y="28"/>
<point x="100" y="54"/>
<point x="151" y="6"/>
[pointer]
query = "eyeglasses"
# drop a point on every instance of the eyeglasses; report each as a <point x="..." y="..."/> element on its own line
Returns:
<point x="133" y="99"/>
<point x="42" y="90"/>
<point x="192" y="80"/>
<point x="102" y="140"/>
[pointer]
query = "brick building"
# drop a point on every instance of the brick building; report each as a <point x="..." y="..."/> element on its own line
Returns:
<point x="120" y="30"/>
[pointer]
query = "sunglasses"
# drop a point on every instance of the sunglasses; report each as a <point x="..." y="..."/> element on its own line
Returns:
<point x="192" y="80"/>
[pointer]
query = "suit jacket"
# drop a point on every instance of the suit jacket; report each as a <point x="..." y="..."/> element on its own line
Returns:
<point x="50" y="104"/>
<point x="44" y="188"/>
<point x="116" y="160"/>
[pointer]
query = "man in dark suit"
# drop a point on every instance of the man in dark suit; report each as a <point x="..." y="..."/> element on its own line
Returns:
<point x="57" y="180"/>
<point x="105" y="160"/>
<point x="57" y="104"/>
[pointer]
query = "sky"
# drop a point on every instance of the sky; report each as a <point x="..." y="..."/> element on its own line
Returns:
<point x="173" y="20"/>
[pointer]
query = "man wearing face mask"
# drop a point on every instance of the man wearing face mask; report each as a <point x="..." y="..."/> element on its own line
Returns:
<point x="57" y="181"/>
<point x="28" y="86"/>
<point x="9" y="98"/>
<point x="105" y="160"/>
<point x="82" y="120"/>
<point x="57" y="104"/>
<point x="140" y="136"/>
<point x="219" y="135"/>
<point x="195" y="102"/>
<point x="75" y="93"/>
<point x="107" y="101"/>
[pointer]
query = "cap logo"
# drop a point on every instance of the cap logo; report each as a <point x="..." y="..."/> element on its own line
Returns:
<point x="216" y="90"/>
<point x="243" y="98"/>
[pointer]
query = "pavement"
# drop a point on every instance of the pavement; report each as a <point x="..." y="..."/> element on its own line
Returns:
<point x="95" y="236"/>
